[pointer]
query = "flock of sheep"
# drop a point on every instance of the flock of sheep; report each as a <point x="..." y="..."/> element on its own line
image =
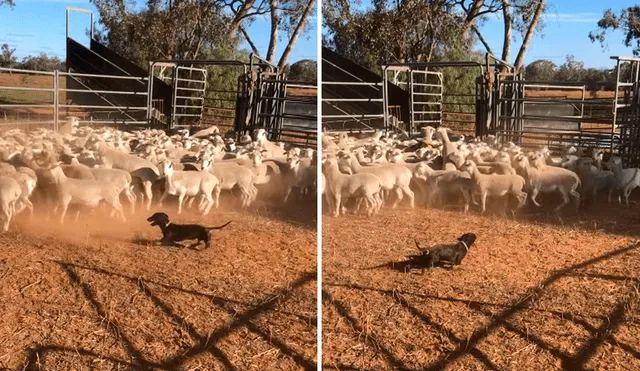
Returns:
<point x="384" y="169"/>
<point x="88" y="167"/>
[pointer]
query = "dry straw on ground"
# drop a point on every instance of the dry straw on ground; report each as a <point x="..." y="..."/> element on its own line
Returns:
<point x="97" y="295"/>
<point x="539" y="292"/>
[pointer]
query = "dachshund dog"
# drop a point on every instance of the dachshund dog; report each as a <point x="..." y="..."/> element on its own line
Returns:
<point x="173" y="233"/>
<point x="451" y="254"/>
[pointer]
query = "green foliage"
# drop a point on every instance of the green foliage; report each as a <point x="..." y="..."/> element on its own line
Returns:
<point x="540" y="70"/>
<point x="409" y="31"/>
<point x="303" y="70"/>
<point x="628" y="21"/>
<point x="42" y="62"/>
<point x="574" y="71"/>
<point x="187" y="30"/>
<point x="7" y="57"/>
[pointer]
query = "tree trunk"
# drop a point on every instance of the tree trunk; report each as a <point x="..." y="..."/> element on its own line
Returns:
<point x="296" y="34"/>
<point x="471" y="17"/>
<point x="529" y="35"/>
<point x="275" y="24"/>
<point x="506" y="46"/>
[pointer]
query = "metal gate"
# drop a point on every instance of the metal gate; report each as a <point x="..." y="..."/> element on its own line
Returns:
<point x="189" y="88"/>
<point x="426" y="90"/>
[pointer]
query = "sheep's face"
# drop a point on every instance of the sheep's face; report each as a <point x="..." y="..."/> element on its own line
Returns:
<point x="468" y="166"/>
<point x="167" y="168"/>
<point x="293" y="161"/>
<point x="260" y="135"/>
<point x="614" y="161"/>
<point x="256" y="156"/>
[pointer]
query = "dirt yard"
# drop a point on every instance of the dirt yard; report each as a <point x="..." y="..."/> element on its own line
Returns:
<point x="539" y="292"/>
<point x="98" y="295"/>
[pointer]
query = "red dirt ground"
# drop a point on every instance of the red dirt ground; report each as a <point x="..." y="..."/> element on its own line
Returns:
<point x="539" y="292"/>
<point x="98" y="295"/>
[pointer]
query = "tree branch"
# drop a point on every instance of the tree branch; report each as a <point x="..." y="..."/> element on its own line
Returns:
<point x="246" y="36"/>
<point x="482" y="40"/>
<point x="529" y="35"/>
<point x="296" y="33"/>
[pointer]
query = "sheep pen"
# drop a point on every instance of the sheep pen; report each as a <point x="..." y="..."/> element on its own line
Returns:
<point x="95" y="292"/>
<point x="539" y="289"/>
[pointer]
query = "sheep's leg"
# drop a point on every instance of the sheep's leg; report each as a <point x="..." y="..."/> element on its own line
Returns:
<point x="254" y="192"/>
<point x="131" y="198"/>
<point x="610" y="194"/>
<point x="626" y="192"/>
<point x="116" y="207"/>
<point x="29" y="205"/>
<point x="409" y="193"/>
<point x="371" y="204"/>
<point x="338" y="205"/>
<point x="522" y="199"/>
<point x="245" y="197"/>
<point x="148" y="193"/>
<point x="209" y="205"/>
<point x="467" y="197"/>
<point x="216" y="195"/>
<point x="65" y="206"/>
<point x="483" y="201"/>
<point x="286" y="194"/>
<point x="399" y="195"/>
<point x="576" y="197"/>
<point x="180" y="201"/>
<point x="379" y="200"/>
<point x="534" y="194"/>
<point x="329" y="197"/>
<point x="6" y="217"/>
<point x="164" y="195"/>
<point x="565" y="201"/>
<point x="191" y="201"/>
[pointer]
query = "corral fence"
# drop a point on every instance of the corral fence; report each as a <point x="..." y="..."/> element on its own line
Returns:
<point x="350" y="102"/>
<point x="556" y="114"/>
<point x="504" y="104"/>
<point x="260" y="97"/>
<point x="41" y="98"/>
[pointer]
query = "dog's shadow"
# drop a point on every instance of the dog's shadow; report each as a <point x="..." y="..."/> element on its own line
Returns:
<point x="409" y="265"/>
<point x="141" y="241"/>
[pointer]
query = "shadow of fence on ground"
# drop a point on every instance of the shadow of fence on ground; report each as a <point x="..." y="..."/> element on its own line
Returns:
<point x="600" y="335"/>
<point x="35" y="358"/>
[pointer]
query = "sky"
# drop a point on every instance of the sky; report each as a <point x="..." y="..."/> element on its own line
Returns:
<point x="568" y="23"/>
<point x="35" y="26"/>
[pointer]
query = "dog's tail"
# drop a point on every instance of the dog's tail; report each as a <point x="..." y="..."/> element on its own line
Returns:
<point x="220" y="227"/>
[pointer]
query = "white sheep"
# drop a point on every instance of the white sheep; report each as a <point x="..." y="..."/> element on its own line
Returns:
<point x="392" y="177"/>
<point x="10" y="193"/>
<point x="549" y="179"/>
<point x="625" y="180"/>
<point x="340" y="187"/>
<point x="88" y="193"/>
<point x="234" y="176"/>
<point x="190" y="183"/>
<point x="495" y="185"/>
